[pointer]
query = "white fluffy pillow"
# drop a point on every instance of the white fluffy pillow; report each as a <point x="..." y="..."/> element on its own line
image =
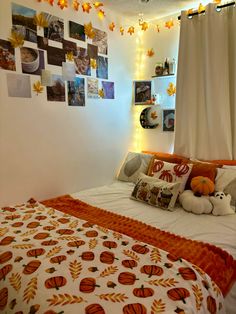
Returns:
<point x="195" y="204"/>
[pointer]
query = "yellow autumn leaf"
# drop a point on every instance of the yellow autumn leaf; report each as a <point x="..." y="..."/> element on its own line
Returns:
<point x="37" y="87"/>
<point x="16" y="39"/>
<point x="130" y="30"/>
<point x="86" y="7"/>
<point x="144" y="26"/>
<point x="62" y="4"/>
<point x="171" y="90"/>
<point x="201" y="8"/>
<point x="93" y="63"/>
<point x="101" y="93"/>
<point x="88" y="30"/>
<point x="169" y="24"/>
<point x="111" y="26"/>
<point x="75" y="5"/>
<point x="101" y="14"/>
<point x="98" y="4"/>
<point x="70" y="56"/>
<point x="122" y="30"/>
<point x="40" y="20"/>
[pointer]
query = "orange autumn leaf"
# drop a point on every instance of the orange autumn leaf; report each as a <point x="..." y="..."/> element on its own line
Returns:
<point x="15" y="281"/>
<point x="144" y="26"/>
<point x="150" y="52"/>
<point x="37" y="87"/>
<point x="113" y="297"/>
<point x="131" y="254"/>
<point x="169" y="24"/>
<point x="30" y="291"/>
<point x="190" y="11"/>
<point x="75" y="269"/>
<point x="88" y="30"/>
<point x="101" y="14"/>
<point x="86" y="7"/>
<point x="111" y="26"/>
<point x="130" y="30"/>
<point x="217" y="1"/>
<point x="62" y="4"/>
<point x="198" y="296"/>
<point x="158" y="306"/>
<point x="98" y="4"/>
<point x="110" y="270"/>
<point x="168" y="282"/>
<point x="64" y="299"/>
<point x="75" y="5"/>
<point x="155" y="254"/>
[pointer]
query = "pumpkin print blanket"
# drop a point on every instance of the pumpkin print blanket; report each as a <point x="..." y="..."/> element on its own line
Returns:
<point x="53" y="262"/>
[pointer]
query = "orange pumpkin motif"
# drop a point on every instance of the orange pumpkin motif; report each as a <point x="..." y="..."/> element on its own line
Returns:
<point x="110" y="244"/>
<point x="134" y="308"/>
<point x="129" y="263"/>
<point x="41" y="235"/>
<point x="17" y="224"/>
<point x="173" y="258"/>
<point x="58" y="259"/>
<point x="211" y="305"/>
<point x="7" y="240"/>
<point x="91" y="234"/>
<point x="65" y="231"/>
<point x="181" y="169"/>
<point x="178" y="294"/>
<point x="187" y="273"/>
<point x="63" y="220"/>
<point x="4" y="271"/>
<point x="87" y="285"/>
<point x="8" y="209"/>
<point x="49" y="228"/>
<point x="31" y="267"/>
<point x="158" y="165"/>
<point x="87" y="225"/>
<point x="12" y="217"/>
<point x="76" y="244"/>
<point x="94" y="309"/>
<point x="5" y="257"/>
<point x="126" y="278"/>
<point x="40" y="217"/>
<point x="143" y="292"/>
<point x="33" y="224"/>
<point x="35" y="252"/>
<point x="107" y="257"/>
<point x="49" y="243"/>
<point x="87" y="256"/>
<point x="166" y="176"/>
<point x="151" y="270"/>
<point x="55" y="282"/>
<point x="202" y="185"/>
<point x="141" y="249"/>
<point x="3" y="298"/>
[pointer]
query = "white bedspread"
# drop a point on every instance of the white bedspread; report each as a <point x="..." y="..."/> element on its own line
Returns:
<point x="220" y="231"/>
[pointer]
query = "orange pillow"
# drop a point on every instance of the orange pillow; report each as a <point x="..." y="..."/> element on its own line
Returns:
<point x="172" y="158"/>
<point x="224" y="162"/>
<point x="202" y="169"/>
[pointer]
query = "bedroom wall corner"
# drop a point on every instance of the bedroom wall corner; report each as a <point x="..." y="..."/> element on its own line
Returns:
<point x="49" y="148"/>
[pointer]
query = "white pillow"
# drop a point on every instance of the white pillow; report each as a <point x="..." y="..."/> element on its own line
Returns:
<point x="221" y="204"/>
<point x="133" y="166"/>
<point x="226" y="181"/>
<point x="156" y="192"/>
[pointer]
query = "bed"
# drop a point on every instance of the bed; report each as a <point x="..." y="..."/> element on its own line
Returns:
<point x="65" y="256"/>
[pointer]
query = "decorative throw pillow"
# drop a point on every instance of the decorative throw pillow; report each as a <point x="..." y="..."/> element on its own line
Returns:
<point x="221" y="204"/>
<point x="226" y="182"/>
<point x="133" y="166"/>
<point x="172" y="158"/>
<point x="156" y="192"/>
<point x="170" y="172"/>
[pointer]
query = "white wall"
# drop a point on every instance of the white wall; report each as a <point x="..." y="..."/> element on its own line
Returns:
<point x="165" y="45"/>
<point x="48" y="148"/>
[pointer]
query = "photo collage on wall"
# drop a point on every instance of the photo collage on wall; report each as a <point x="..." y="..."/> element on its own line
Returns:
<point x="74" y="57"/>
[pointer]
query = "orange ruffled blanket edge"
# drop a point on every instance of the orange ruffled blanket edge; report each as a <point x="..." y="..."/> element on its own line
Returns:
<point x="217" y="263"/>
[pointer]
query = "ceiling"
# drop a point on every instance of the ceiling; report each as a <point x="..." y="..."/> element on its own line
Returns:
<point x="151" y="9"/>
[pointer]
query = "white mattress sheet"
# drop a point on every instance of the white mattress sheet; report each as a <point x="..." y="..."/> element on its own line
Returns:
<point x="217" y="230"/>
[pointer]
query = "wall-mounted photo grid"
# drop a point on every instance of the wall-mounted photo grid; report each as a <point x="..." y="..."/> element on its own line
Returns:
<point x="80" y="63"/>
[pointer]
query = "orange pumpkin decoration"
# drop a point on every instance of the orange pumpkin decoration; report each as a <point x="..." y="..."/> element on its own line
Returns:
<point x="141" y="249"/>
<point x="7" y="240"/>
<point x="35" y="252"/>
<point x="87" y="285"/>
<point x="12" y="217"/>
<point x="134" y="308"/>
<point x="33" y="224"/>
<point x="40" y="217"/>
<point x="5" y="257"/>
<point x="151" y="270"/>
<point x="87" y="225"/>
<point x="94" y="309"/>
<point x="4" y="271"/>
<point x="17" y="224"/>
<point x="58" y="259"/>
<point x="91" y="234"/>
<point x="55" y="282"/>
<point x="30" y="211"/>
<point x="187" y="273"/>
<point x="49" y="228"/>
<point x="178" y="294"/>
<point x="49" y="243"/>
<point x="63" y="220"/>
<point x="3" y="298"/>
<point x="107" y="257"/>
<point x="87" y="256"/>
<point x="127" y="278"/>
<point x="110" y="244"/>
<point x="31" y="267"/>
<point x="211" y="305"/>
<point x="143" y="292"/>
<point x="76" y="244"/>
<point x="202" y="185"/>
<point x="129" y="263"/>
<point x="65" y="231"/>
<point x="8" y="209"/>
<point x="41" y="235"/>
<point x="173" y="258"/>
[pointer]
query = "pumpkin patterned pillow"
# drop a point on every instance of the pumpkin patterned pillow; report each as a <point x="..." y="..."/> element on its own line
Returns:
<point x="170" y="172"/>
<point x="156" y="192"/>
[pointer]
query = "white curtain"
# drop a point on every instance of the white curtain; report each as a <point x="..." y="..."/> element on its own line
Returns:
<point x="206" y="85"/>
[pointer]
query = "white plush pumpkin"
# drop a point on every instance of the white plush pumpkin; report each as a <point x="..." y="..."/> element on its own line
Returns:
<point x="195" y="204"/>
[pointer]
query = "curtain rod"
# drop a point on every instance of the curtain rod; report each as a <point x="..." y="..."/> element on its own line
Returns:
<point x="218" y="7"/>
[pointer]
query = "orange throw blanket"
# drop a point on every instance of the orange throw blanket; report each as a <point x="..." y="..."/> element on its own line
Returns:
<point x="218" y="264"/>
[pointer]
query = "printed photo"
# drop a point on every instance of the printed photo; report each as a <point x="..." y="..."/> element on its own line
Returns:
<point x="42" y="42"/>
<point x="168" y="117"/>
<point x="92" y="88"/>
<point x="69" y="46"/>
<point x="76" y="31"/>
<point x="32" y="60"/>
<point x="100" y="40"/>
<point x="82" y="62"/>
<point x="68" y="71"/>
<point x="92" y="51"/>
<point x="55" y="29"/>
<point x="76" y="94"/>
<point x="142" y="92"/>
<point x="23" y="22"/>
<point x="56" y="56"/>
<point x="108" y="89"/>
<point x="18" y="85"/>
<point x="102" y="67"/>
<point x="56" y="92"/>
<point x="7" y="56"/>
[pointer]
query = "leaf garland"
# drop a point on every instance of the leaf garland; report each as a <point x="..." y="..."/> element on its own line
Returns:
<point x="158" y="307"/>
<point x="168" y="282"/>
<point x="93" y="243"/>
<point x="30" y="291"/>
<point x="109" y="271"/>
<point x="113" y="297"/>
<point x="197" y="291"/>
<point x="15" y="281"/>
<point x="131" y="254"/>
<point x="155" y="255"/>
<point x="64" y="299"/>
<point x="54" y="251"/>
<point x="75" y="269"/>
